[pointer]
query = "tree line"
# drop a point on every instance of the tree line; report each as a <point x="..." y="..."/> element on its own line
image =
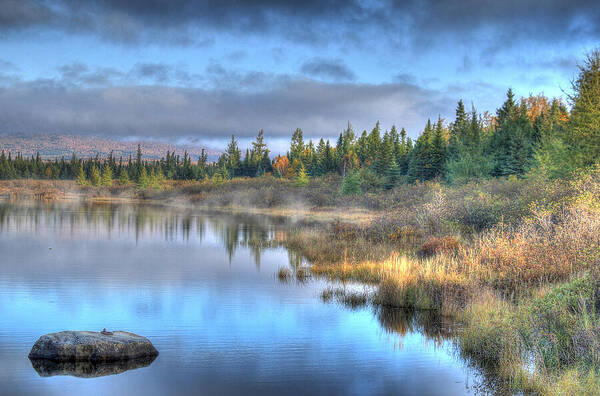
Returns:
<point x="533" y="134"/>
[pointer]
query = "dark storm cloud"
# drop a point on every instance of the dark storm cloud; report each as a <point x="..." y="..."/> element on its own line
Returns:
<point x="53" y="106"/>
<point x="418" y="22"/>
<point x="330" y="69"/>
<point x="15" y="14"/>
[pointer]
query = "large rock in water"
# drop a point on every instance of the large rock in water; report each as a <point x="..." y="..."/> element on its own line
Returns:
<point x="92" y="346"/>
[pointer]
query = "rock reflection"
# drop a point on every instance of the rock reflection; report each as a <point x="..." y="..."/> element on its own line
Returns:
<point x="86" y="369"/>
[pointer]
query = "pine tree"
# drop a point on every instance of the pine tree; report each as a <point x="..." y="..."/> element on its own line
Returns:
<point x="224" y="173"/>
<point x="246" y="167"/>
<point x="233" y="157"/>
<point x="259" y="156"/>
<point x="302" y="178"/>
<point x="510" y="144"/>
<point x="309" y="155"/>
<point x="393" y="175"/>
<point x="362" y="148"/>
<point x="373" y="145"/>
<point x="143" y="180"/>
<point x="385" y="156"/>
<point x="474" y="141"/>
<point x="294" y="168"/>
<point x="124" y="177"/>
<point x="552" y="158"/>
<point x="107" y="175"/>
<point x="81" y="179"/>
<point x="265" y="164"/>
<point x="459" y="131"/>
<point x="419" y="162"/>
<point x="95" y="176"/>
<point x="217" y="178"/>
<point x="156" y="178"/>
<point x="403" y="154"/>
<point x="583" y="135"/>
<point x="470" y="165"/>
<point x="437" y="154"/>
<point x="351" y="184"/>
<point x="138" y="162"/>
<point x="201" y="165"/>
<point x="339" y="149"/>
<point x="297" y="146"/>
<point x="320" y="166"/>
<point x="330" y="164"/>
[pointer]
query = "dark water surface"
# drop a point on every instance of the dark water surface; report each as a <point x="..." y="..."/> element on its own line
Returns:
<point x="203" y="289"/>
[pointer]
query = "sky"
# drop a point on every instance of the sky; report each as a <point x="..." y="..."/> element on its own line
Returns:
<point x="188" y="71"/>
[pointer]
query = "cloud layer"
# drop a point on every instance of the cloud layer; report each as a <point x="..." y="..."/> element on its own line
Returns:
<point x="199" y="74"/>
<point x="187" y="22"/>
<point x="161" y="111"/>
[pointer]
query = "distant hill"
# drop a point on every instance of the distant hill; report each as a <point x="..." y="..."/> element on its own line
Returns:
<point x="56" y="146"/>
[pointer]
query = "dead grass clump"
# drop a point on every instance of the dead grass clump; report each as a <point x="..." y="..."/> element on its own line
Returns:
<point x="434" y="245"/>
<point x="355" y="299"/>
<point x="548" y="247"/>
<point x="302" y="274"/>
<point x="284" y="274"/>
<point x="350" y="298"/>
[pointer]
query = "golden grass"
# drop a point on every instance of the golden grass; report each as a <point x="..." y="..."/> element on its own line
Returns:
<point x="529" y="313"/>
<point x="546" y="248"/>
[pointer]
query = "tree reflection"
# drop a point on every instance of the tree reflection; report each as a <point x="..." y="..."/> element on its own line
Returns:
<point x="142" y="222"/>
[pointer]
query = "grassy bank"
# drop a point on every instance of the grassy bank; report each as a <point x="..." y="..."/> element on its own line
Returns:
<point x="525" y="286"/>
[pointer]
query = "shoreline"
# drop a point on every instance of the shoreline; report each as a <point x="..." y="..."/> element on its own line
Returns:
<point x="68" y="191"/>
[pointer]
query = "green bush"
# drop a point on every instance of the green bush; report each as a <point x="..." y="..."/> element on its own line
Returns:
<point x="351" y="184"/>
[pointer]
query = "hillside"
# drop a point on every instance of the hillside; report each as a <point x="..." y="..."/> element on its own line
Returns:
<point x="56" y="146"/>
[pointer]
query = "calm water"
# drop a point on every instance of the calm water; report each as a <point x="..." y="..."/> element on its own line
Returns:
<point x="202" y="288"/>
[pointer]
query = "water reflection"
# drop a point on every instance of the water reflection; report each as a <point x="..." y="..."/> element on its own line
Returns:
<point x="146" y="222"/>
<point x="50" y="368"/>
<point x="399" y="321"/>
<point x="202" y="288"/>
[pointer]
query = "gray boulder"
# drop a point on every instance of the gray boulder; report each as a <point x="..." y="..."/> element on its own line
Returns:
<point x="92" y="346"/>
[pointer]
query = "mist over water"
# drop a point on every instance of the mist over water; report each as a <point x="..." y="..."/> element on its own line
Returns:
<point x="203" y="288"/>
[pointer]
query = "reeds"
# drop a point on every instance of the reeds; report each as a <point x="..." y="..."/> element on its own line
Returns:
<point x="284" y="274"/>
<point x="526" y="293"/>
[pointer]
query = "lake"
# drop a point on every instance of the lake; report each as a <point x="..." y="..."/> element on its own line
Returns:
<point x="203" y="287"/>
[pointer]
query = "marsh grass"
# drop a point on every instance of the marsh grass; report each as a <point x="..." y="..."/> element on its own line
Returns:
<point x="350" y="298"/>
<point x="548" y="343"/>
<point x="528" y="297"/>
<point x="526" y="292"/>
<point x="302" y="274"/>
<point x="284" y="274"/>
